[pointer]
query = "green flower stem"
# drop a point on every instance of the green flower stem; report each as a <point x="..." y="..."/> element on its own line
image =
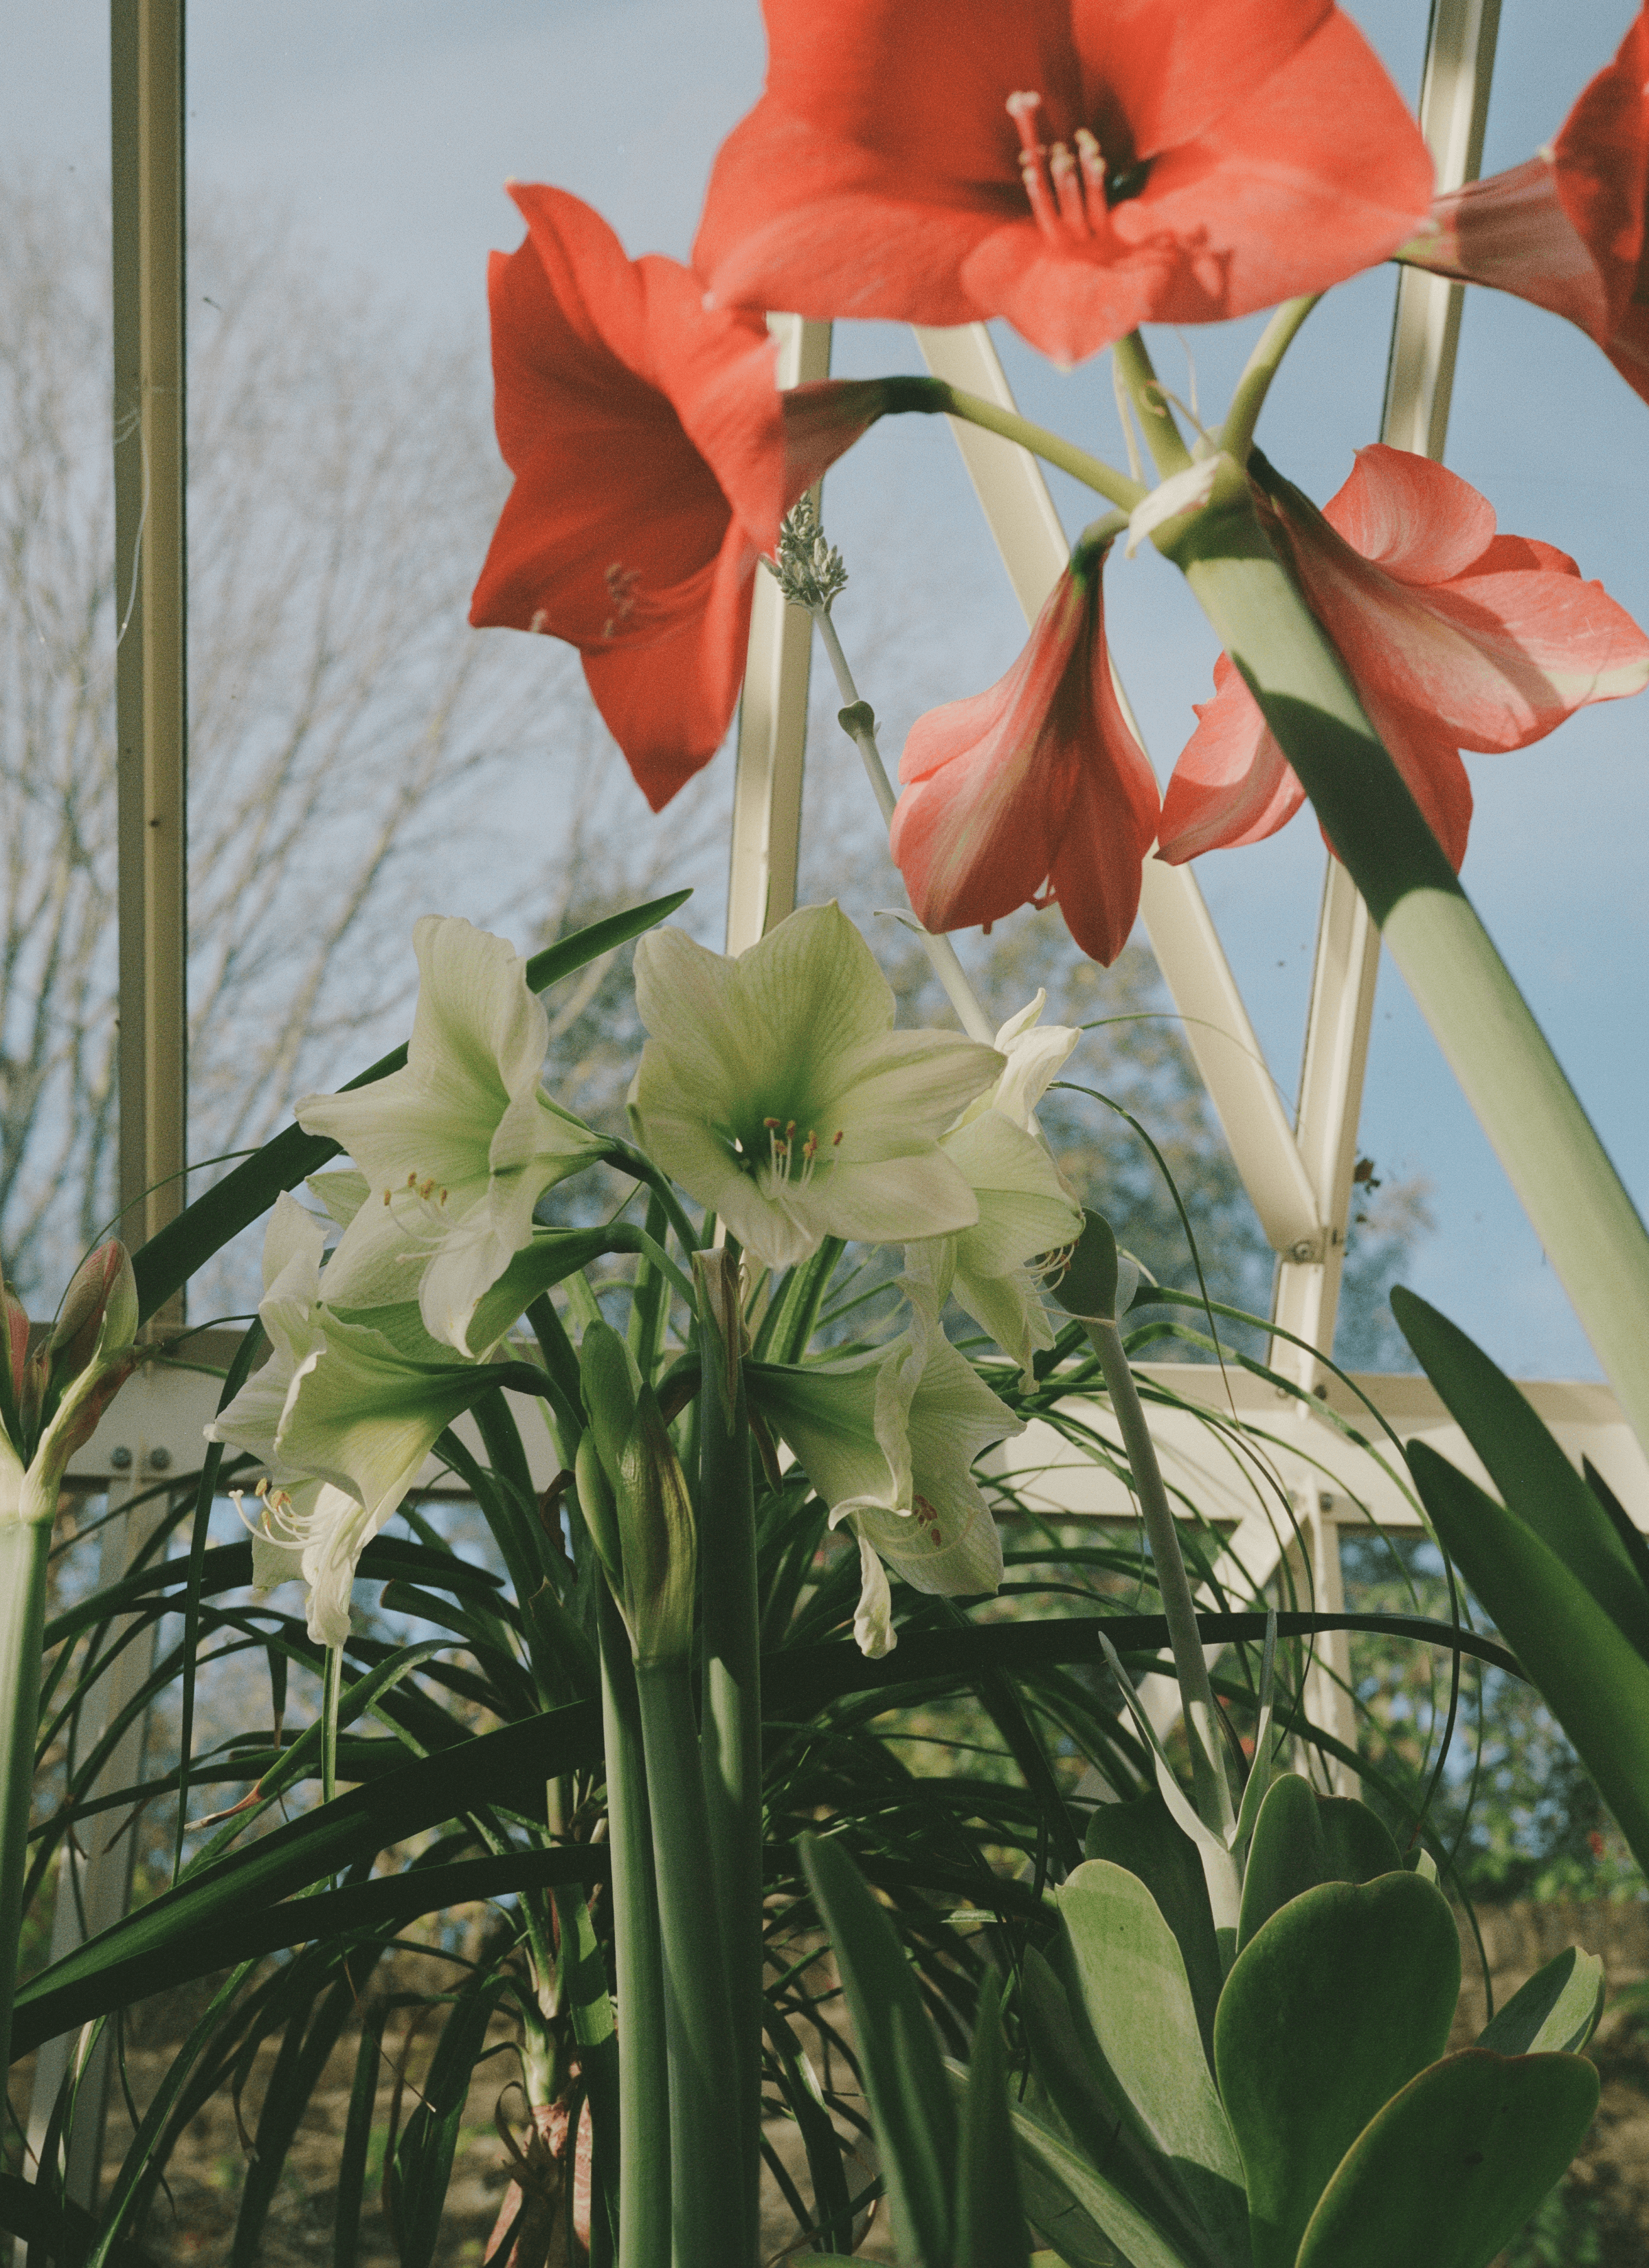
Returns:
<point x="1212" y="1788"/>
<point x="1237" y="434"/>
<point x="928" y="396"/>
<point x="640" y="1167"/>
<point x="731" y="1739"/>
<point x="1168" y="452"/>
<point x="859" y="722"/>
<point x="708" y="2184"/>
<point x="1576" y="1202"/>
<point x="23" y="1549"/>
<point x="644" y="2100"/>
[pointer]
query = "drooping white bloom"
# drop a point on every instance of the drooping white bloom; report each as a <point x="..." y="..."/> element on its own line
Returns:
<point x="888" y="1440"/>
<point x="458" y="1147"/>
<point x="342" y="1415"/>
<point x="1025" y="1209"/>
<point x="774" y="1089"/>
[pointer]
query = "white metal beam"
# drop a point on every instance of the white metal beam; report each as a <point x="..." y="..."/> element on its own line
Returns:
<point x="1021" y="517"/>
<point x="773" y="712"/>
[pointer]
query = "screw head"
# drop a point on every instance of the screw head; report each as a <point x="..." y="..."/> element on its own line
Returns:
<point x="120" y="1460"/>
<point x="159" y="1459"/>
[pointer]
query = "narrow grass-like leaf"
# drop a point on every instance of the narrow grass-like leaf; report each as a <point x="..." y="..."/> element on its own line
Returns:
<point x="904" y="2078"/>
<point x="991" y="2230"/>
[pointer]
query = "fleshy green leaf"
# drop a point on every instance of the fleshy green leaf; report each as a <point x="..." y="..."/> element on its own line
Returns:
<point x="1071" y="2202"/>
<point x="1451" y="2168"/>
<point x="1594" y="1681"/>
<point x="1142" y="1836"/>
<point x="1130" y="1980"/>
<point x="1342" y="1996"/>
<point x="1088" y="2098"/>
<point x="1555" y="2012"/>
<point x="1533" y="1476"/>
<point x="1301" y="1838"/>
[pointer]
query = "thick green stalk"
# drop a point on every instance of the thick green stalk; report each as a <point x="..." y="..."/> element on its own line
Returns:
<point x="925" y="396"/>
<point x="731" y="1739"/>
<point x="707" y="2176"/>
<point x="1163" y="439"/>
<point x="1237" y="433"/>
<point x="1575" y="1200"/>
<point x="1196" y="1692"/>
<point x="644" y="2097"/>
<point x="23" y="1547"/>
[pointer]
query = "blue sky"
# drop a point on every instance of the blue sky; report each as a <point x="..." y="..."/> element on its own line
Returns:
<point x="386" y="127"/>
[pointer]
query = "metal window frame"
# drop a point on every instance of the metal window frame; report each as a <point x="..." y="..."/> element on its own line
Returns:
<point x="1298" y="1177"/>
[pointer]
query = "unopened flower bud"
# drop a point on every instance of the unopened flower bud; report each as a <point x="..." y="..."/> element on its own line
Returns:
<point x="1097" y="1281"/>
<point x="98" y="1315"/>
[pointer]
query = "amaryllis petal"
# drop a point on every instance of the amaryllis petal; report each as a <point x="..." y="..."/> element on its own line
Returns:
<point x="654" y="459"/>
<point x="1568" y="230"/>
<point x="1455" y="638"/>
<point x="1232" y="783"/>
<point x="774" y="1088"/>
<point x="1034" y="791"/>
<point x="1077" y="166"/>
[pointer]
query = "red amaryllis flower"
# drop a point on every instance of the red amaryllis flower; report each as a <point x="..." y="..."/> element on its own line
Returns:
<point x="1454" y="636"/>
<point x="1034" y="792"/>
<point x="1079" y="166"/>
<point x="653" y="459"/>
<point x="1567" y="230"/>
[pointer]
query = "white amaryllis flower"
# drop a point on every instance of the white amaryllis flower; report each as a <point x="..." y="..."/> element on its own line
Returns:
<point x="888" y="1440"/>
<point x="341" y="1417"/>
<point x="1025" y="1208"/>
<point x="458" y="1147"/>
<point x="774" y="1089"/>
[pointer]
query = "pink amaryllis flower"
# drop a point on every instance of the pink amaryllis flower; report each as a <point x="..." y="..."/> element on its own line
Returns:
<point x="1034" y="792"/>
<point x="1079" y="166"/>
<point x="654" y="459"/>
<point x="1454" y="636"/>
<point x="1569" y="229"/>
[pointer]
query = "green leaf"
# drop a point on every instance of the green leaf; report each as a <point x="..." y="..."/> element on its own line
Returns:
<point x="904" y="2076"/>
<point x="1088" y="2099"/>
<point x="1555" y="2012"/>
<point x="423" y="2164"/>
<point x="1449" y="2170"/>
<point x="1071" y="2200"/>
<point x="170" y="1258"/>
<point x="1131" y="1982"/>
<point x="183" y="1933"/>
<point x="1594" y="1681"/>
<point x="1300" y="1840"/>
<point x="991" y="2230"/>
<point x="1343" y="1995"/>
<point x="1142" y="1836"/>
<point x="1533" y="1476"/>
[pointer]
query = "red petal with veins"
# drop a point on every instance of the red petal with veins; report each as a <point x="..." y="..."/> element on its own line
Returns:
<point x="1036" y="782"/>
<point x="1569" y="230"/>
<point x="1253" y="148"/>
<point x="653" y="458"/>
<point x="1454" y="635"/>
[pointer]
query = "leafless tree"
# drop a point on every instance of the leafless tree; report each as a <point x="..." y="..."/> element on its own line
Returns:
<point x="357" y="754"/>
